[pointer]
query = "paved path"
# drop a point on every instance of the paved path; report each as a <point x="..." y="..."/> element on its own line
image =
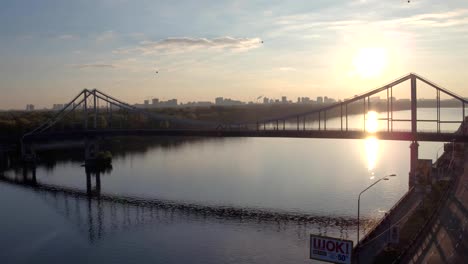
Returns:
<point x="447" y="240"/>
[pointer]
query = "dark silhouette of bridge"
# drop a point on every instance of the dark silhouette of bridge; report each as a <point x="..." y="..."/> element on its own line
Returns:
<point x="91" y="116"/>
<point x="92" y="113"/>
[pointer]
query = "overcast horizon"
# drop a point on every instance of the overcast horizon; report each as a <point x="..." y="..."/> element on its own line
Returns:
<point x="237" y="49"/>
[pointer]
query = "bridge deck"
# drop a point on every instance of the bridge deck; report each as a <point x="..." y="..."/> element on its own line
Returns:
<point x="334" y="134"/>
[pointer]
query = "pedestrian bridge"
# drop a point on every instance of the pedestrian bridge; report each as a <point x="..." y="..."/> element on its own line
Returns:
<point x="93" y="113"/>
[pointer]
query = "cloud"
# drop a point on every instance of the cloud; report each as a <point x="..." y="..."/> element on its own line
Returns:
<point x="105" y="36"/>
<point x="440" y="19"/>
<point x="286" y="69"/>
<point x="186" y="44"/>
<point x="301" y="22"/>
<point x="67" y="37"/>
<point x="93" y="65"/>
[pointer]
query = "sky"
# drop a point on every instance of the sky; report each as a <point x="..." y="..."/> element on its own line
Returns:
<point x="51" y="50"/>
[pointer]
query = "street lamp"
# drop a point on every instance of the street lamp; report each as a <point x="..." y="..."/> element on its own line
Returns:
<point x="359" y="200"/>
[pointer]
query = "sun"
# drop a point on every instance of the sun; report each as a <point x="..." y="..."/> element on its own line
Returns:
<point x="370" y="62"/>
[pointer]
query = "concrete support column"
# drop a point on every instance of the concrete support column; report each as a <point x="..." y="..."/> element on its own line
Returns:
<point x="88" y="182"/>
<point x="91" y="149"/>
<point x="414" y="105"/>
<point x="85" y="109"/>
<point x="413" y="163"/>
<point x="95" y="109"/>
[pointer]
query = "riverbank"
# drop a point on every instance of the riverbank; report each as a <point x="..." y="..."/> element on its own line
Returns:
<point x="443" y="237"/>
<point x="397" y="238"/>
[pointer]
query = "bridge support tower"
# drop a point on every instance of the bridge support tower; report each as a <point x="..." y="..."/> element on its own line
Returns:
<point x="91" y="150"/>
<point x="413" y="163"/>
<point x="89" y="186"/>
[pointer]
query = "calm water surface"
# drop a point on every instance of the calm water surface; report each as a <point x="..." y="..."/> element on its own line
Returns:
<point x="245" y="200"/>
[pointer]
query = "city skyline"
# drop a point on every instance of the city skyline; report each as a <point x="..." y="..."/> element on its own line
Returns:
<point x="52" y="50"/>
<point x="221" y="101"/>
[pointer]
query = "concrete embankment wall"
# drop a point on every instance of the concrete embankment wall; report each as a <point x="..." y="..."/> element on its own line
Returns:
<point x="377" y="239"/>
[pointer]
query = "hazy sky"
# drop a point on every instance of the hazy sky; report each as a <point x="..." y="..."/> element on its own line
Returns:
<point x="50" y="50"/>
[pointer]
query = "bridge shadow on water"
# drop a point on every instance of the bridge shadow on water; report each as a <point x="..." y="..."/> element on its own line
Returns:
<point x="99" y="214"/>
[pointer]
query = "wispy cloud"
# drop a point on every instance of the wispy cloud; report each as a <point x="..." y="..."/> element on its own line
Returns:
<point x="286" y="69"/>
<point x="186" y="44"/>
<point x="302" y="22"/>
<point x="67" y="37"/>
<point x="93" y="65"/>
<point x="106" y="36"/>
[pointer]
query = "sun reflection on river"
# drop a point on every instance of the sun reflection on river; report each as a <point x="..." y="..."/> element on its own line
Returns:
<point x="372" y="143"/>
<point x="372" y="149"/>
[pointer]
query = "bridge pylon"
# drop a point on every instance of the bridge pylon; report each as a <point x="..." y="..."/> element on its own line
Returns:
<point x="414" y="147"/>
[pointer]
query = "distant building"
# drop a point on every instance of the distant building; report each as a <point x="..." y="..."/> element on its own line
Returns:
<point x="57" y="107"/>
<point x="227" y="101"/>
<point x="266" y="100"/>
<point x="328" y="100"/>
<point x="319" y="99"/>
<point x="284" y="99"/>
<point x="170" y="103"/>
<point x="219" y="100"/>
<point x="200" y="103"/>
<point x="29" y="107"/>
<point x="298" y="100"/>
<point x="156" y="103"/>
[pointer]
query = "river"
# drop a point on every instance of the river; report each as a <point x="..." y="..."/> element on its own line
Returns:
<point x="176" y="200"/>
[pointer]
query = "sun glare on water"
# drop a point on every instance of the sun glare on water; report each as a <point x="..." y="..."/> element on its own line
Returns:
<point x="370" y="62"/>
<point x="372" y="149"/>
<point x="372" y="143"/>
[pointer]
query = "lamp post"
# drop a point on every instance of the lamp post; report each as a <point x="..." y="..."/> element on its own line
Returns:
<point x="359" y="200"/>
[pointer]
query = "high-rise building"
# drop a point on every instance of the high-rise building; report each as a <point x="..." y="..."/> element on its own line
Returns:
<point x="172" y="102"/>
<point x="219" y="100"/>
<point x="284" y="99"/>
<point x="266" y="100"/>
<point x="155" y="101"/>
<point x="319" y="99"/>
<point x="29" y="107"/>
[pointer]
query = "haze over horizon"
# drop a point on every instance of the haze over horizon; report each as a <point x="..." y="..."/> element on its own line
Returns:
<point x="50" y="50"/>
